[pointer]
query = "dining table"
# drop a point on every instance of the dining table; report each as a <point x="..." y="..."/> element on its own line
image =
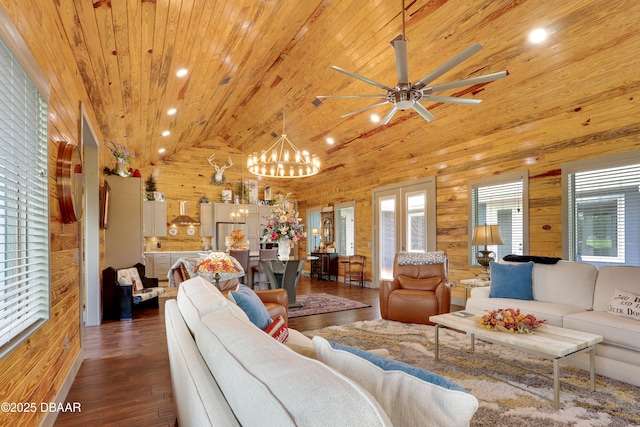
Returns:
<point x="285" y="274"/>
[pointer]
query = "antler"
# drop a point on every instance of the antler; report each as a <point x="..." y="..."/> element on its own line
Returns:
<point x="219" y="169"/>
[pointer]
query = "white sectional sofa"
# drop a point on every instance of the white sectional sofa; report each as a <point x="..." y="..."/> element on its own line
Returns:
<point x="576" y="295"/>
<point x="225" y="371"/>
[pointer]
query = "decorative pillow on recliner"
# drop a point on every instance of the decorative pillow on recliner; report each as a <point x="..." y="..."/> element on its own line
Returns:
<point x="401" y="388"/>
<point x="130" y="276"/>
<point x="511" y="281"/>
<point x="252" y="305"/>
<point x="625" y="304"/>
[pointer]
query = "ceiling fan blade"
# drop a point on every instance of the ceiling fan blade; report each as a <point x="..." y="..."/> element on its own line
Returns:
<point x="390" y="115"/>
<point x="468" y="82"/>
<point x="402" y="61"/>
<point x="454" y="100"/>
<point x="359" y="77"/>
<point x="363" y="109"/>
<point x="451" y="63"/>
<point x="423" y="112"/>
<point x="351" y="96"/>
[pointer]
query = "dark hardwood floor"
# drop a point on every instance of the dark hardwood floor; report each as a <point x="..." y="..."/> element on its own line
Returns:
<point x="125" y="381"/>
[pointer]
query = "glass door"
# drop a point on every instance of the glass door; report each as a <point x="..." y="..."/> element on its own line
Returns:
<point x="404" y="220"/>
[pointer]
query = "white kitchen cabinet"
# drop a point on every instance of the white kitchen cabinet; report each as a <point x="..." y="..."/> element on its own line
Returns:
<point x="206" y="219"/>
<point x="123" y="239"/>
<point x="223" y="213"/>
<point x="154" y="219"/>
<point x="161" y="265"/>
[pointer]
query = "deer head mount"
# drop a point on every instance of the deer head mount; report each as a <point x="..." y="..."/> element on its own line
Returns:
<point x="218" y="177"/>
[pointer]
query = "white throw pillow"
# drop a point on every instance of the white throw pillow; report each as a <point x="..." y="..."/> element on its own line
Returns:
<point x="424" y="400"/>
<point x="130" y="276"/>
<point x="625" y="304"/>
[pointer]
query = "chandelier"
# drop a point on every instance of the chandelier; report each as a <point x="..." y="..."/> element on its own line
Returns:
<point x="283" y="160"/>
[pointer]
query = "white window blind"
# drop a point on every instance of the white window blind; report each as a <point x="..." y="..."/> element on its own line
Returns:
<point x="24" y="198"/>
<point x="503" y="201"/>
<point x="603" y="211"/>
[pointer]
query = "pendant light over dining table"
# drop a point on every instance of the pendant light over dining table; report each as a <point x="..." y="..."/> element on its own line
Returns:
<point x="283" y="160"/>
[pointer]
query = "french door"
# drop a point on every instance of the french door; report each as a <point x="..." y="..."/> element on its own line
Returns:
<point x="404" y="220"/>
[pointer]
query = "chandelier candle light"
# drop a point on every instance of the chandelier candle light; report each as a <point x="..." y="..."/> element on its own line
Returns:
<point x="283" y="160"/>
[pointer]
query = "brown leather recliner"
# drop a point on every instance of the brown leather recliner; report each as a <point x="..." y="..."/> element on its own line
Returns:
<point x="416" y="292"/>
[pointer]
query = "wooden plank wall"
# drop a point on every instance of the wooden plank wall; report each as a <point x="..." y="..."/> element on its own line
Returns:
<point x="35" y="370"/>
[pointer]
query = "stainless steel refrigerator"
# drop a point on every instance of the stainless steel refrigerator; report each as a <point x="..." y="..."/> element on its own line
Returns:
<point x="224" y="229"/>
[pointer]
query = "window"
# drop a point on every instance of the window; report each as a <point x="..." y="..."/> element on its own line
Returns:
<point x="313" y="223"/>
<point x="602" y="210"/>
<point x="501" y="200"/>
<point x="24" y="194"/>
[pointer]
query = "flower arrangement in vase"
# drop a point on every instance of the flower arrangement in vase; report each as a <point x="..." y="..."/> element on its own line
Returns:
<point x="238" y="240"/>
<point x="123" y="157"/>
<point x="283" y="223"/>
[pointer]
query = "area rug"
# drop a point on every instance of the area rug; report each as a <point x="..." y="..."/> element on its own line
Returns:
<point x="512" y="387"/>
<point x="323" y="303"/>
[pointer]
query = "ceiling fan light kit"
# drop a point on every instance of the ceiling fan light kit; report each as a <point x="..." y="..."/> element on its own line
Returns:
<point x="406" y="95"/>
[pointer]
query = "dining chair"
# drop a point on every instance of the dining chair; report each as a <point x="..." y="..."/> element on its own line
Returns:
<point x="355" y="270"/>
<point x="258" y="275"/>
<point x="242" y="255"/>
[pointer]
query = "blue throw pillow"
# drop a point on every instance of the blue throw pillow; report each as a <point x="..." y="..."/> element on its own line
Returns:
<point x="511" y="281"/>
<point x="251" y="304"/>
<point x="393" y="365"/>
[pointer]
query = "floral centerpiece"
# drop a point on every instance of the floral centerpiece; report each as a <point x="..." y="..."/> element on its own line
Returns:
<point x="238" y="240"/>
<point x="283" y="226"/>
<point x="510" y="320"/>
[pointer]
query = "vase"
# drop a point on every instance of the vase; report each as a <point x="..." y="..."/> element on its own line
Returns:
<point x="284" y="248"/>
<point x="121" y="168"/>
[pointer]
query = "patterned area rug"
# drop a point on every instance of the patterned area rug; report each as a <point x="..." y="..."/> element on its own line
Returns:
<point x="512" y="387"/>
<point x="322" y="303"/>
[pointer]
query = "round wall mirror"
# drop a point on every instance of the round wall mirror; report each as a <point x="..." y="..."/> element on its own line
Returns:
<point x="70" y="180"/>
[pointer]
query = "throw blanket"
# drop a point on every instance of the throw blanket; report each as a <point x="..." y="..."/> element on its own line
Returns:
<point x="185" y="265"/>
<point x="527" y="258"/>
<point x="417" y="258"/>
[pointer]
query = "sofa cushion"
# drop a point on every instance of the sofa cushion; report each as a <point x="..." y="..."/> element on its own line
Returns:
<point x="401" y="388"/>
<point x="252" y="305"/>
<point x="130" y="276"/>
<point x="566" y="282"/>
<point x="264" y="380"/>
<point x="197" y="297"/>
<point x="615" y="330"/>
<point x="625" y="304"/>
<point x="511" y="281"/>
<point x="611" y="277"/>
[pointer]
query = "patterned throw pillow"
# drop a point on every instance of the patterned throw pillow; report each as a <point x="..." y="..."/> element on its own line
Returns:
<point x="625" y="304"/>
<point x="130" y="276"/>
<point x="278" y="330"/>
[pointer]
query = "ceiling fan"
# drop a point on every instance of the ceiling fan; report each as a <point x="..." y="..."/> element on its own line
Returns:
<point x="406" y="95"/>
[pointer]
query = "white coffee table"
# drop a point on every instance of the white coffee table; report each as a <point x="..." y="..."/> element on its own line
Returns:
<point x="549" y="342"/>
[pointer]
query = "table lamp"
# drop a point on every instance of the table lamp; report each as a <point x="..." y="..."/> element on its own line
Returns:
<point x="218" y="266"/>
<point x="486" y="235"/>
<point x="315" y="233"/>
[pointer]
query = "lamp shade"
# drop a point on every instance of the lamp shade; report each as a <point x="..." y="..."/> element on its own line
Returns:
<point x="487" y="235"/>
<point x="314" y="231"/>
<point x="218" y="266"/>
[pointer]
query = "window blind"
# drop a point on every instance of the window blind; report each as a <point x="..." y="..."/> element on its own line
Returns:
<point x="24" y="198"/>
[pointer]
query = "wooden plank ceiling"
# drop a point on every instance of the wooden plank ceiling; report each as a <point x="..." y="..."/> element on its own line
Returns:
<point x="251" y="60"/>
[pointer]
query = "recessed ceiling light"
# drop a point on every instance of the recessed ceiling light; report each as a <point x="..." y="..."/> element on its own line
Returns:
<point x="171" y="111"/>
<point x="538" y="35"/>
<point x="182" y="72"/>
<point x="166" y="133"/>
<point x="161" y="150"/>
<point x="375" y="118"/>
<point x="330" y="141"/>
